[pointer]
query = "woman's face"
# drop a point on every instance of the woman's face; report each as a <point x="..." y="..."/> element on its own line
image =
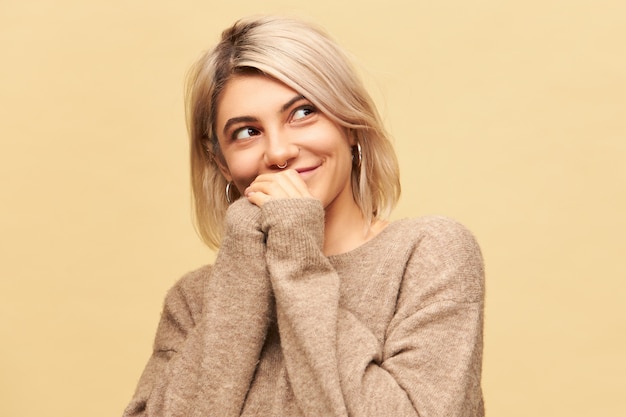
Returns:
<point x="262" y="124"/>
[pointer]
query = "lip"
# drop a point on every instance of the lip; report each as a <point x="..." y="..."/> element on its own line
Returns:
<point x="307" y="171"/>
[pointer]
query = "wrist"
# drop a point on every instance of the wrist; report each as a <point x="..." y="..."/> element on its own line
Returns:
<point x="242" y="218"/>
<point x="294" y="220"/>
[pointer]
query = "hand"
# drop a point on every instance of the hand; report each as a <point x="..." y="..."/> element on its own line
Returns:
<point x="284" y="184"/>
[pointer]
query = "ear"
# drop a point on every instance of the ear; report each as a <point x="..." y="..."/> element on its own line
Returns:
<point x="351" y="135"/>
<point x="221" y="164"/>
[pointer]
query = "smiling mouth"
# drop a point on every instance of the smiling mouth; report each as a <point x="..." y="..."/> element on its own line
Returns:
<point x="305" y="170"/>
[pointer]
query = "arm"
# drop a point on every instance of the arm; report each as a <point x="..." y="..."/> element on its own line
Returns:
<point x="204" y="366"/>
<point x="181" y="310"/>
<point x="306" y="289"/>
<point x="429" y="361"/>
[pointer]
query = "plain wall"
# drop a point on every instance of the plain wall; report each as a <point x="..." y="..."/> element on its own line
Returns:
<point x="509" y="116"/>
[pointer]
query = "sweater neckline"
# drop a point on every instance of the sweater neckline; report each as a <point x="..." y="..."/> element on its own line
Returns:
<point x="366" y="246"/>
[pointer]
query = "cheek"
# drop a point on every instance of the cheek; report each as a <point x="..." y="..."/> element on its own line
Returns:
<point x="243" y="170"/>
<point x="330" y="139"/>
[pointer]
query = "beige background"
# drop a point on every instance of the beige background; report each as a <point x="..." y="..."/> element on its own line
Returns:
<point x="508" y="115"/>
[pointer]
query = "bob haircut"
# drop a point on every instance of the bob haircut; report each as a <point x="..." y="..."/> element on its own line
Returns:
<point x="305" y="59"/>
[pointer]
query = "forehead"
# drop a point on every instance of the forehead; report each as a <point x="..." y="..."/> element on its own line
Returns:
<point x="251" y="94"/>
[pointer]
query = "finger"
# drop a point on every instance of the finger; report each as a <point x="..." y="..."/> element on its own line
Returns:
<point x="286" y="184"/>
<point x="298" y="183"/>
<point x="286" y="179"/>
<point x="273" y="188"/>
<point x="258" y="198"/>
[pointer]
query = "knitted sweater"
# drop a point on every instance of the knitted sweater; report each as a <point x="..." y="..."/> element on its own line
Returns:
<point x="275" y="328"/>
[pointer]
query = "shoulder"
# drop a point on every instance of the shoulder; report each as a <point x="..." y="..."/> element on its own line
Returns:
<point x="434" y="226"/>
<point x="186" y="295"/>
<point x="440" y="234"/>
<point x="444" y="257"/>
<point x="182" y="309"/>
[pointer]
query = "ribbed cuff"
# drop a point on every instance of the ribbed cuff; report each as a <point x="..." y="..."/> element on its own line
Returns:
<point x="293" y="225"/>
<point x="242" y="232"/>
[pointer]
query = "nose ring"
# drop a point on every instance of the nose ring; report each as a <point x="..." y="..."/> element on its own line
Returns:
<point x="283" y="166"/>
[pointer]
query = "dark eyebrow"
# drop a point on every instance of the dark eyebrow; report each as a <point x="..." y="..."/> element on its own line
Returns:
<point x="291" y="102"/>
<point x="235" y="120"/>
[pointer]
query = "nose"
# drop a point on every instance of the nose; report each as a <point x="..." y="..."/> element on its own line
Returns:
<point x="280" y="149"/>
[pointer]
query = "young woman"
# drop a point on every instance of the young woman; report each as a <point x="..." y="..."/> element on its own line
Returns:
<point x="315" y="305"/>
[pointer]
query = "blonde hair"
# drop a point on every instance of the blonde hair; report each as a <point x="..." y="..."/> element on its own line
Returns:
<point x="305" y="59"/>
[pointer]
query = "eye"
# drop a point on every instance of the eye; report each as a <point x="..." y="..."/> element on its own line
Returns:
<point x="244" y="133"/>
<point x="302" y="112"/>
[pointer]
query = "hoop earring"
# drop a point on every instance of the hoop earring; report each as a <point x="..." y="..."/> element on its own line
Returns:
<point x="359" y="155"/>
<point x="228" y="199"/>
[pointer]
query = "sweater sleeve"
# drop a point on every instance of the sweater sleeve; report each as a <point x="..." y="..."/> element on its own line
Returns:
<point x="306" y="289"/>
<point x="429" y="362"/>
<point x="203" y="363"/>
<point x="181" y="310"/>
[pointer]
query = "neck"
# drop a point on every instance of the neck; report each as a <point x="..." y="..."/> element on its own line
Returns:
<point x="345" y="230"/>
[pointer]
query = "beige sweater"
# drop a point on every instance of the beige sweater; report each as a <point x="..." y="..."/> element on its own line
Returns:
<point x="275" y="328"/>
